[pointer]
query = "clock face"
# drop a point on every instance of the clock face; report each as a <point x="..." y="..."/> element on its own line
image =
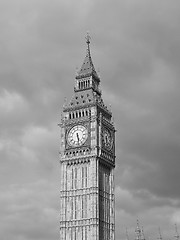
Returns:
<point x="77" y="135"/>
<point x="107" y="139"/>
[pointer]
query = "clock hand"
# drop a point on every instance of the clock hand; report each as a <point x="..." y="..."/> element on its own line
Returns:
<point x="77" y="136"/>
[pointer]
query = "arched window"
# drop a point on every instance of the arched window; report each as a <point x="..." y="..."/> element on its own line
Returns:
<point x="72" y="210"/>
<point x="75" y="181"/>
<point x="85" y="233"/>
<point x="75" y="208"/>
<point x="72" y="179"/>
<point x="86" y="176"/>
<point x="82" y="234"/>
<point x="82" y="177"/>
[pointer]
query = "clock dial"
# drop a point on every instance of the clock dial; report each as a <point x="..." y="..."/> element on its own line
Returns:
<point x="107" y="139"/>
<point x="77" y="135"/>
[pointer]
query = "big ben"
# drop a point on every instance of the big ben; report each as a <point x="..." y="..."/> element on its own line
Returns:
<point x="87" y="158"/>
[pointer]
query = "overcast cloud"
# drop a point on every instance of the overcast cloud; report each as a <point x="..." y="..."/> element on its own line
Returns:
<point x="136" y="46"/>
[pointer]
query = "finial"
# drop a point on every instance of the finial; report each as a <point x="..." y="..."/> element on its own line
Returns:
<point x="65" y="102"/>
<point x="88" y="38"/>
<point x="160" y="236"/>
<point x="77" y="70"/>
<point x="127" y="235"/>
<point x="143" y="236"/>
<point x="176" y="232"/>
<point x="138" y="231"/>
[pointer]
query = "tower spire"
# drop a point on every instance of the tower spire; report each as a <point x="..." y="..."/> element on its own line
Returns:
<point x="160" y="236"/>
<point x="138" y="231"/>
<point x="88" y="53"/>
<point x="176" y="233"/>
<point x="88" y="38"/>
<point x="127" y="235"/>
<point x="143" y="236"/>
<point x="88" y="68"/>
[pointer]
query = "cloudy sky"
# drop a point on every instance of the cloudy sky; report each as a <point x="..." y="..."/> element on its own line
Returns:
<point x="136" y="46"/>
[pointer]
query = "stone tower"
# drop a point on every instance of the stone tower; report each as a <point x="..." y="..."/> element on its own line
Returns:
<point x="87" y="161"/>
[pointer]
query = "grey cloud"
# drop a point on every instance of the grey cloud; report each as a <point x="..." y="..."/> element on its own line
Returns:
<point x="136" y="46"/>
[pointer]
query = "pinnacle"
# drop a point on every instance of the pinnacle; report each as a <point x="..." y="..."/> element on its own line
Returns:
<point x="87" y="68"/>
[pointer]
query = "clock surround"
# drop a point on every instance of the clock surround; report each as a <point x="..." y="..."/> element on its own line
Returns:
<point x="77" y="135"/>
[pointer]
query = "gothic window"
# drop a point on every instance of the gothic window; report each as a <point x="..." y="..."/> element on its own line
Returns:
<point x="85" y="206"/>
<point x="75" y="178"/>
<point x="72" y="210"/>
<point x="82" y="234"/>
<point x="73" y="115"/>
<point x="83" y="113"/>
<point x="85" y="233"/>
<point x="86" y="176"/>
<point x="75" y="234"/>
<point x="79" y="114"/>
<point x="82" y="209"/>
<point x="76" y="115"/>
<point x="75" y="208"/>
<point x="82" y="177"/>
<point x="72" y="179"/>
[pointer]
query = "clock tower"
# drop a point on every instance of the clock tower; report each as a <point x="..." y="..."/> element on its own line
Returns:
<point x="87" y="157"/>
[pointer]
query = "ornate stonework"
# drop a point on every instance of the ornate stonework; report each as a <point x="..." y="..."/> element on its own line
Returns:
<point x="87" y="158"/>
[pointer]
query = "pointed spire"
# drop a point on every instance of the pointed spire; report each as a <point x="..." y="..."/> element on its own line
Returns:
<point x="88" y="38"/>
<point x="138" y="231"/>
<point x="143" y="236"/>
<point x="176" y="233"/>
<point x="127" y="235"/>
<point x="87" y="68"/>
<point x="160" y="236"/>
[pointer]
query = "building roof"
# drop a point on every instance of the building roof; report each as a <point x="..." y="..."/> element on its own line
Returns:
<point x="87" y="68"/>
